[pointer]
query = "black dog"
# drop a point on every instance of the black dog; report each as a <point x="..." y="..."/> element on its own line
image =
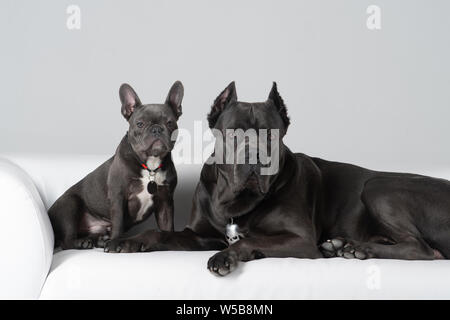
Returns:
<point x="138" y="180"/>
<point x="367" y="214"/>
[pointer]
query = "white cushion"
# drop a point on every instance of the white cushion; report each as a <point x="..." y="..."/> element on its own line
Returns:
<point x="26" y="235"/>
<point x="53" y="174"/>
<point x="92" y="274"/>
<point x="183" y="275"/>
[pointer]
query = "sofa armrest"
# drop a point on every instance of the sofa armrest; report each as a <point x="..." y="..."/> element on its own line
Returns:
<point x="26" y="235"/>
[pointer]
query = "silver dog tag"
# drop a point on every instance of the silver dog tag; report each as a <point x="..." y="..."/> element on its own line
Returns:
<point x="232" y="233"/>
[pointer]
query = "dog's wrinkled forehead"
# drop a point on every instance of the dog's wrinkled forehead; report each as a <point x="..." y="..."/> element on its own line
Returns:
<point x="154" y="113"/>
<point x="245" y="115"/>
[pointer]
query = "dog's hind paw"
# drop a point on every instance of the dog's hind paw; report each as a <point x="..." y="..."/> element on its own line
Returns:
<point x="351" y="251"/>
<point x="332" y="248"/>
<point x="339" y="247"/>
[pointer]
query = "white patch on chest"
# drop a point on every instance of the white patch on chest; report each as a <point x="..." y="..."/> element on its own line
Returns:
<point x="145" y="198"/>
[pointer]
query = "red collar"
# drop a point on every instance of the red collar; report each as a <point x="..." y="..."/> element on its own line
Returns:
<point x="147" y="168"/>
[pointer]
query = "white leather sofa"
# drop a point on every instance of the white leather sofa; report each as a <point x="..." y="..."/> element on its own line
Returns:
<point x="30" y="269"/>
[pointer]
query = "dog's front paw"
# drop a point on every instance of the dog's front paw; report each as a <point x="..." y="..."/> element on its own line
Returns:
<point x="123" y="246"/>
<point x="81" y="243"/>
<point x="102" y="240"/>
<point x="223" y="263"/>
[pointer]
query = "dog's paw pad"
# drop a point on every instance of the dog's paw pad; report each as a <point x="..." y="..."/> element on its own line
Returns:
<point x="348" y="255"/>
<point x="124" y="246"/>
<point x="351" y="251"/>
<point x="331" y="247"/>
<point x="112" y="246"/>
<point x="102" y="240"/>
<point x="85" y="244"/>
<point x="222" y="263"/>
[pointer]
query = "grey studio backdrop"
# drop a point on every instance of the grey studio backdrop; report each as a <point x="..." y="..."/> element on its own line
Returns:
<point x="376" y="98"/>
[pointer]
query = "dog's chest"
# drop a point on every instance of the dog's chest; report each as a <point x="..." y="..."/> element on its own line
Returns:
<point x="142" y="201"/>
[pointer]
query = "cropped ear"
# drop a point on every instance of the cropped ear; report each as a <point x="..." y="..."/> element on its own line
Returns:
<point x="227" y="96"/>
<point x="175" y="97"/>
<point x="279" y="104"/>
<point x="130" y="100"/>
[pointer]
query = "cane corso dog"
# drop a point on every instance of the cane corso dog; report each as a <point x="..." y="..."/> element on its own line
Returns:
<point x="137" y="181"/>
<point x="311" y="208"/>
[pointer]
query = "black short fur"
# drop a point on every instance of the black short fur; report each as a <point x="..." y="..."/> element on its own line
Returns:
<point x="105" y="204"/>
<point x="310" y="209"/>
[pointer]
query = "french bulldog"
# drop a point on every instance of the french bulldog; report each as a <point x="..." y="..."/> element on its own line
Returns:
<point x="309" y="208"/>
<point x="137" y="181"/>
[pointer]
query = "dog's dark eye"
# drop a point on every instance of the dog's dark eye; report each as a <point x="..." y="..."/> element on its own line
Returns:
<point x="139" y="124"/>
<point x="170" y="123"/>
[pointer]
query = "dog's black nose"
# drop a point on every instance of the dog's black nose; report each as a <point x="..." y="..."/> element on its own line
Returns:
<point x="156" y="130"/>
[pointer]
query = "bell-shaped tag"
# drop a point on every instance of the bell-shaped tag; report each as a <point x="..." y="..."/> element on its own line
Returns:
<point x="232" y="233"/>
<point x="152" y="187"/>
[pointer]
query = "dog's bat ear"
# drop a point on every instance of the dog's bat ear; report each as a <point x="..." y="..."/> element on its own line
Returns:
<point x="279" y="104"/>
<point x="175" y="97"/>
<point x="130" y="100"/>
<point x="227" y="96"/>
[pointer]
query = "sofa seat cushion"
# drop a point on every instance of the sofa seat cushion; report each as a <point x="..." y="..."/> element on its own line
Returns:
<point x="93" y="274"/>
